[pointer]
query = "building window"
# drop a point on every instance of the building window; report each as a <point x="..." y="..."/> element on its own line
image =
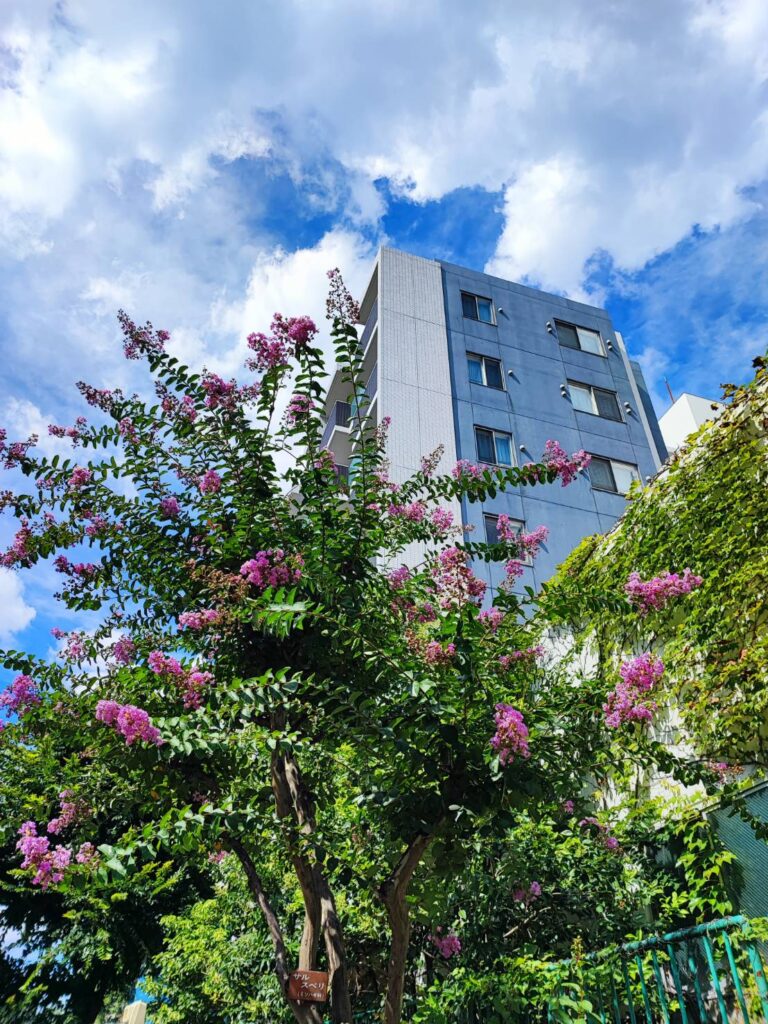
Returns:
<point x="492" y="528"/>
<point x="596" y="401"/>
<point x="580" y="338"/>
<point x="475" y="307"/>
<point x="484" y="370"/>
<point x="493" y="447"/>
<point x="611" y="475"/>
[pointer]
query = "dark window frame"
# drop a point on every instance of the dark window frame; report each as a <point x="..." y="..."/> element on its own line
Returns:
<point x="493" y="431"/>
<point x="576" y="328"/>
<point x="593" y="389"/>
<point x="610" y="461"/>
<point x="483" y="360"/>
<point x="477" y="317"/>
<point x="526" y="559"/>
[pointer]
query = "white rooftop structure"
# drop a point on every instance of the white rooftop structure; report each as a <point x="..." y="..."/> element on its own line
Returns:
<point x="686" y="415"/>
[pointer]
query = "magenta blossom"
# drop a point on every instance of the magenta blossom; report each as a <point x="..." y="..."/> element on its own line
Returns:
<point x="654" y="594"/>
<point x="442" y="519"/>
<point x="79" y="478"/>
<point x="170" y="507"/>
<point x="298" y="407"/>
<point x="466" y="470"/>
<point x="566" y="466"/>
<point x="447" y="945"/>
<point x="437" y="654"/>
<point x="630" y="702"/>
<point x="272" y="568"/>
<point x="131" y="722"/>
<point x="455" y="583"/>
<point x="199" y="620"/>
<point x="492" y="618"/>
<point x="20" y="696"/>
<point x="414" y="512"/>
<point x="399" y="577"/>
<point x="530" y="654"/>
<point x="209" y="482"/>
<point x="511" y="737"/>
<point x="49" y="865"/>
<point x="124" y="651"/>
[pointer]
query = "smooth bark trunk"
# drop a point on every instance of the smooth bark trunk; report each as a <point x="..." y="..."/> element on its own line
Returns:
<point x="305" y="1013"/>
<point x="394" y="894"/>
<point x="294" y="804"/>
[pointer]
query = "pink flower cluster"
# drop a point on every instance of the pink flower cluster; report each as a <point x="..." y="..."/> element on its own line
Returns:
<point x="199" y="620"/>
<point x="138" y="341"/>
<point x="131" y="722"/>
<point x="399" y="577"/>
<point x="191" y="684"/>
<point x="84" y="570"/>
<point x="340" y="305"/>
<point x="566" y="466"/>
<point x="20" y="696"/>
<point x="464" y="469"/>
<point x="298" y="406"/>
<point x="654" y="594"/>
<point x="611" y="843"/>
<point x="124" y="651"/>
<point x="511" y="737"/>
<point x="272" y="568"/>
<point x="75" y="647"/>
<point x="15" y="453"/>
<point x="414" y="511"/>
<point x="289" y="336"/>
<point x="528" y="655"/>
<point x="527" y="894"/>
<point x="209" y="482"/>
<point x="218" y="856"/>
<point x="442" y="519"/>
<point x="170" y="507"/>
<point x="70" y="811"/>
<point x="447" y="944"/>
<point x="456" y="584"/>
<point x="222" y="394"/>
<point x="513" y="570"/>
<point x="75" y="433"/>
<point x="49" y="865"/>
<point x="492" y="618"/>
<point x="99" y="398"/>
<point x="436" y="653"/>
<point x="183" y="409"/>
<point x="21" y="550"/>
<point x="629" y="702"/>
<point x="79" y="478"/>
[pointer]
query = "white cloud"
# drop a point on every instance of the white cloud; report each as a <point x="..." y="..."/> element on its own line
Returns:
<point x="16" y="614"/>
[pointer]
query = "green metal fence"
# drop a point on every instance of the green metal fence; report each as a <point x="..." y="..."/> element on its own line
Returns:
<point x="711" y="973"/>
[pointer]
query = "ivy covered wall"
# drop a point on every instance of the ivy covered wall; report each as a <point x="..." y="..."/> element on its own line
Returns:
<point x="707" y="510"/>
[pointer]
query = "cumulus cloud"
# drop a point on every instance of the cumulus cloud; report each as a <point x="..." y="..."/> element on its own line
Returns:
<point x="140" y="145"/>
<point x="16" y="614"/>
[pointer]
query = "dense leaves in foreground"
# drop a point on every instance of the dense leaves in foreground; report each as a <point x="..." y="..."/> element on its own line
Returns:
<point x="377" y="777"/>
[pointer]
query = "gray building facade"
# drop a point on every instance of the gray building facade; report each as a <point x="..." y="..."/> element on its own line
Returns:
<point x="493" y="370"/>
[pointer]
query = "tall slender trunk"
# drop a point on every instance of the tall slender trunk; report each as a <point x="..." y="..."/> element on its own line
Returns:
<point x="294" y="806"/>
<point x="305" y="1013"/>
<point x="394" y="894"/>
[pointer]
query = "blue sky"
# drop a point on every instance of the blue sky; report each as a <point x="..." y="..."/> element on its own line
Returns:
<point x="203" y="165"/>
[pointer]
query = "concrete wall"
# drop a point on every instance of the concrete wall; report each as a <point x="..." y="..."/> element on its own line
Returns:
<point x="533" y="410"/>
<point x="414" y="371"/>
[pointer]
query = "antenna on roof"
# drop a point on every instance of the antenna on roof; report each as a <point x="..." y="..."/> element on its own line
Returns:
<point x="669" y="389"/>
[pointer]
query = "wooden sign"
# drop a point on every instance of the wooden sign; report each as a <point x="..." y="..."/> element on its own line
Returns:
<point x="308" y="986"/>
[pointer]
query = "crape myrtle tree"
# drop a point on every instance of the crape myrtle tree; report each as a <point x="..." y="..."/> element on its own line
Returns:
<point x="264" y="662"/>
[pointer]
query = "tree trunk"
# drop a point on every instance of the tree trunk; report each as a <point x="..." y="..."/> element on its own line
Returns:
<point x="294" y="804"/>
<point x="305" y="1013"/>
<point x="394" y="893"/>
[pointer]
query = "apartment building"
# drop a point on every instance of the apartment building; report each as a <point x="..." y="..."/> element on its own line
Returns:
<point x="492" y="370"/>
